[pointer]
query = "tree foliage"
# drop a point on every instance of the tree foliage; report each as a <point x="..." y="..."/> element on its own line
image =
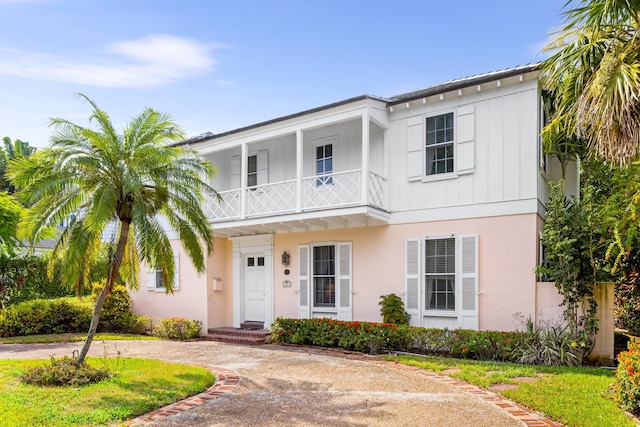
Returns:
<point x="9" y="151"/>
<point x="595" y="77"/>
<point x="10" y="212"/>
<point x="133" y="179"/>
<point x="574" y="254"/>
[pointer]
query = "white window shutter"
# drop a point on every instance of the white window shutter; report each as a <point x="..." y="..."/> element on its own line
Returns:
<point x="263" y="167"/>
<point x="413" y="280"/>
<point x="415" y="142"/>
<point x="304" y="282"/>
<point x="234" y="174"/>
<point x="151" y="279"/>
<point x="344" y="279"/>
<point x="176" y="271"/>
<point x="467" y="272"/>
<point x="465" y="137"/>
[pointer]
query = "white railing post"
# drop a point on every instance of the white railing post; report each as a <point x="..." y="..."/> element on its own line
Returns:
<point x="243" y="181"/>
<point x="299" y="159"/>
<point x="365" y="157"/>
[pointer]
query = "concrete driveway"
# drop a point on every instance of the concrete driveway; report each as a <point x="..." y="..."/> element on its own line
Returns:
<point x="288" y="387"/>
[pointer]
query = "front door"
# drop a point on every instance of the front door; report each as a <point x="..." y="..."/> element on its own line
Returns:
<point x="254" y="288"/>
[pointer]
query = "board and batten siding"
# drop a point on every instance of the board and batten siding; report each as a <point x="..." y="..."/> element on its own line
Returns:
<point x="503" y="151"/>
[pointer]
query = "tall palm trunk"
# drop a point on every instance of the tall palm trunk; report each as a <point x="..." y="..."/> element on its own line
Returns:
<point x="113" y="274"/>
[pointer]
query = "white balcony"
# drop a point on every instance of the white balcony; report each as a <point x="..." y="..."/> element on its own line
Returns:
<point x="337" y="190"/>
<point x="307" y="173"/>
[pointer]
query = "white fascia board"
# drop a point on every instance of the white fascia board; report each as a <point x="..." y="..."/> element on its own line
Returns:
<point x="323" y="214"/>
<point x="515" y="207"/>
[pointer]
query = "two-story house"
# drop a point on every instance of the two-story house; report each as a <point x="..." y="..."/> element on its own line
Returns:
<point x="436" y="195"/>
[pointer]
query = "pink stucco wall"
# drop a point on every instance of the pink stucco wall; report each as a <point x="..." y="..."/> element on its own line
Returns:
<point x="507" y="249"/>
<point x="195" y="299"/>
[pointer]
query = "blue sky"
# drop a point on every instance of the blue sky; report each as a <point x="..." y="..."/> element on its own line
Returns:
<point x="218" y="65"/>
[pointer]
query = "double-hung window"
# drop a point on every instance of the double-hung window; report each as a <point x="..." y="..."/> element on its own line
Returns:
<point x="324" y="164"/>
<point x="324" y="276"/>
<point x="439" y="144"/>
<point x="440" y="274"/>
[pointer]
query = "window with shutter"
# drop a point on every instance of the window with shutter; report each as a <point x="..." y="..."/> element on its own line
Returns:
<point x="443" y="281"/>
<point x="325" y="279"/>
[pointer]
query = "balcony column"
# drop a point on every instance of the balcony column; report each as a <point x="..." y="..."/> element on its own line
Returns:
<point x="243" y="181"/>
<point x="365" y="158"/>
<point x="299" y="159"/>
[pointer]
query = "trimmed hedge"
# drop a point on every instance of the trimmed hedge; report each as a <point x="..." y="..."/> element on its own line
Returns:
<point x="374" y="338"/>
<point x="71" y="314"/>
<point x="55" y="316"/>
<point x="177" y="328"/>
<point x="627" y="385"/>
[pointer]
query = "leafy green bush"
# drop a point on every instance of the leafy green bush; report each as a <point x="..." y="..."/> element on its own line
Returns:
<point x="116" y="313"/>
<point x="392" y="310"/>
<point x="376" y="337"/>
<point x="64" y="372"/>
<point x="25" y="278"/>
<point x="60" y="315"/>
<point x="177" y="328"/>
<point x="627" y="384"/>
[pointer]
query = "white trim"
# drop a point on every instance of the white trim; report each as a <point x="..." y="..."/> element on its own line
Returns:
<point x="513" y="207"/>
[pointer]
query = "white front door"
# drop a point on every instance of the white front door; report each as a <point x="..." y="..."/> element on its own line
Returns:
<point x="254" y="288"/>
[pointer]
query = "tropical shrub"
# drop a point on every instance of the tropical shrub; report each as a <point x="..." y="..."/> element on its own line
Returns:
<point x="177" y="328"/>
<point x="627" y="384"/>
<point x="392" y="310"/>
<point x="64" y="372"/>
<point x="552" y="345"/>
<point x="60" y="315"/>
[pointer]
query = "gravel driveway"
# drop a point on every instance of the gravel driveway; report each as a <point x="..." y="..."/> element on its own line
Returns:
<point x="280" y="387"/>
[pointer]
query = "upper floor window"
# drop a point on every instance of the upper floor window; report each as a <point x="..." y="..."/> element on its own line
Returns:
<point x="439" y="144"/>
<point x="324" y="164"/>
<point x="252" y="171"/>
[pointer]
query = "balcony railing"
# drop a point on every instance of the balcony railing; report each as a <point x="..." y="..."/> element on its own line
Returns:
<point x="340" y="189"/>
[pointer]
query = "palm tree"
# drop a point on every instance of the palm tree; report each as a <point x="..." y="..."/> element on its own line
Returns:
<point x="595" y="76"/>
<point x="135" y="179"/>
<point x="12" y="150"/>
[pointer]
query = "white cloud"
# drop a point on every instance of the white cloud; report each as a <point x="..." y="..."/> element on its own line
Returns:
<point x="153" y="60"/>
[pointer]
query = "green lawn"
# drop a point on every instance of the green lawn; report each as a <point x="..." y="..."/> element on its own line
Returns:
<point x="76" y="337"/>
<point x="140" y="386"/>
<point x="577" y="397"/>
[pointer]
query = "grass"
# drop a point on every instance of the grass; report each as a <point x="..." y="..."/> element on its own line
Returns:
<point x="577" y="397"/>
<point x="140" y="386"/>
<point x="51" y="338"/>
